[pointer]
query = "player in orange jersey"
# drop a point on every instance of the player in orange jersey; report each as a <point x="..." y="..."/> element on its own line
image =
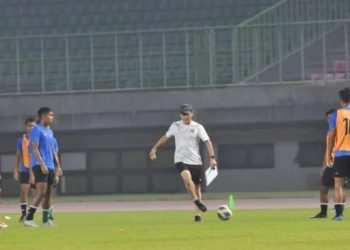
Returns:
<point x="338" y="149"/>
<point x="22" y="169"/>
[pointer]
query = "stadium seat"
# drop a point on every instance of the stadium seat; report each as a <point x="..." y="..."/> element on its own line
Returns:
<point x="123" y="14"/>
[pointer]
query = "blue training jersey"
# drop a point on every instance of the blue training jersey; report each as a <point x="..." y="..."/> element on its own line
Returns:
<point x="43" y="136"/>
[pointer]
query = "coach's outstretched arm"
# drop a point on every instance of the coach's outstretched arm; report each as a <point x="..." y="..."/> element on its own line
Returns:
<point x="211" y="153"/>
<point x="160" y="142"/>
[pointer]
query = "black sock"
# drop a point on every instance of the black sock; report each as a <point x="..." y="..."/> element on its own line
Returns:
<point x="31" y="212"/>
<point x="324" y="208"/>
<point x="339" y="209"/>
<point x="45" y="215"/>
<point x="24" y="209"/>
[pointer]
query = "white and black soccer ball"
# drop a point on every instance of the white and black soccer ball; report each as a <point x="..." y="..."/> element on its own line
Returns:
<point x="224" y="213"/>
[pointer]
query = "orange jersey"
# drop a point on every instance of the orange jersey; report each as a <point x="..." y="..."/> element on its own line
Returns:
<point x="25" y="152"/>
<point x="23" y="147"/>
<point x="340" y="121"/>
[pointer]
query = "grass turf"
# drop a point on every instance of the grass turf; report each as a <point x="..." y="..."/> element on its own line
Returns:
<point x="253" y="229"/>
<point x="172" y="197"/>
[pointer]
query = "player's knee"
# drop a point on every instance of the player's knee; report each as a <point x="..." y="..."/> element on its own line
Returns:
<point x="186" y="175"/>
<point x="41" y="191"/>
<point x="187" y="182"/>
<point x="324" y="190"/>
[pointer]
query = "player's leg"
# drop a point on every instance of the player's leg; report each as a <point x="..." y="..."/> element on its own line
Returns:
<point x="24" y="193"/>
<point x="189" y="185"/>
<point x="187" y="179"/>
<point x="326" y="184"/>
<point x="41" y="188"/>
<point x="197" y="211"/>
<point x="323" y="203"/>
<point x="54" y="186"/>
<point x="196" y="173"/>
<point x="47" y="203"/>
<point x="339" y="197"/>
<point x="340" y="166"/>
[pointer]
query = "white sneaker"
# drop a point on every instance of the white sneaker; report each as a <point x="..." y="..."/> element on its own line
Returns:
<point x="49" y="223"/>
<point x="30" y="223"/>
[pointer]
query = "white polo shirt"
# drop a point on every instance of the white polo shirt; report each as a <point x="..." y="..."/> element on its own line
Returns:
<point x="187" y="138"/>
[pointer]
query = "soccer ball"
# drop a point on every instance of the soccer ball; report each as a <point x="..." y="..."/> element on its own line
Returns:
<point x="224" y="213"/>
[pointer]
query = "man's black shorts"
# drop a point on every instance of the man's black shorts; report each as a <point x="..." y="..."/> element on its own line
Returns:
<point x="328" y="177"/>
<point x="40" y="177"/>
<point x="342" y="166"/>
<point x="23" y="177"/>
<point x="195" y="170"/>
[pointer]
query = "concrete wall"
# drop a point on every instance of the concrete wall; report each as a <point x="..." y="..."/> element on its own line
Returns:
<point x="120" y="122"/>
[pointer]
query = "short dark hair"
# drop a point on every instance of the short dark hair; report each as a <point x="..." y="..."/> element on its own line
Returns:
<point x="344" y="95"/>
<point x="330" y="111"/>
<point x="29" y="120"/>
<point x="44" y="110"/>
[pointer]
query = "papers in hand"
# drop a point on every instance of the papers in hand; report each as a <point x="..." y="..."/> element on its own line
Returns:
<point x="211" y="174"/>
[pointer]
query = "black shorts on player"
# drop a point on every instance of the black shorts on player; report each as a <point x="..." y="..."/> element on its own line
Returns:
<point x="41" y="177"/>
<point x="342" y="166"/>
<point x="24" y="178"/>
<point x="195" y="170"/>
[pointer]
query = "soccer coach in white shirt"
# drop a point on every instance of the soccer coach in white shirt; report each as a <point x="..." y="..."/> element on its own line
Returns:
<point x="188" y="162"/>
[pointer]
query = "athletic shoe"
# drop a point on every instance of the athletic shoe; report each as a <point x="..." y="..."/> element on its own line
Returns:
<point x="197" y="218"/>
<point x="319" y="216"/>
<point x="338" y="218"/>
<point x="49" y="223"/>
<point x="30" y="223"/>
<point x="200" y="205"/>
<point x="23" y="217"/>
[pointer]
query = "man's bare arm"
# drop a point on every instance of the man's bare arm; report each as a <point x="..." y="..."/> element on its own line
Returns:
<point x="59" y="168"/>
<point x="211" y="153"/>
<point x="37" y="154"/>
<point x="330" y="147"/>
<point x="160" y="142"/>
<point x="16" y="167"/>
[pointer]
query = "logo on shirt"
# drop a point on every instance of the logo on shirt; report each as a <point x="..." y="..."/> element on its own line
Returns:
<point x="192" y="130"/>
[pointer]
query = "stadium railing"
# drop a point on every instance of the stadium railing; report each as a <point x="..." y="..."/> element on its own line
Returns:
<point x="192" y="57"/>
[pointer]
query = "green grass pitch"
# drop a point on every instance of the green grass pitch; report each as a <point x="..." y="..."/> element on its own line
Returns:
<point x="253" y="229"/>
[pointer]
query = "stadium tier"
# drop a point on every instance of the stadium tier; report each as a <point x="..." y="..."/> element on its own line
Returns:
<point x="241" y="42"/>
<point x="23" y="17"/>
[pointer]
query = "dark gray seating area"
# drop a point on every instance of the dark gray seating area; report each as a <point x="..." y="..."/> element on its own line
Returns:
<point x="33" y="17"/>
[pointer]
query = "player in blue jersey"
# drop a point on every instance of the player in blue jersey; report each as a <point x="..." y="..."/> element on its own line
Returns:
<point x="43" y="166"/>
